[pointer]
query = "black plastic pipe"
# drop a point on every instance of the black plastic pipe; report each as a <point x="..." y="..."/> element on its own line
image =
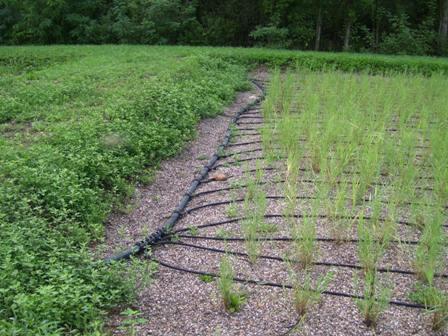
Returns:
<point x="273" y="284"/>
<point x="262" y="157"/>
<point x="287" y="239"/>
<point x="167" y="227"/>
<point x="402" y="222"/>
<point x="267" y="257"/>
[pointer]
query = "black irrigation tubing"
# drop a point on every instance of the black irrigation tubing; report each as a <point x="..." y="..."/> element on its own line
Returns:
<point x="226" y="155"/>
<point x="282" y="157"/>
<point x="346" y="172"/>
<point x="391" y="129"/>
<point x="164" y="231"/>
<point x="253" y="150"/>
<point x="366" y="199"/>
<point x="247" y="171"/>
<point x="251" y="116"/>
<point x="342" y="217"/>
<point x="219" y="223"/>
<point x="248" y="129"/>
<point x="236" y="144"/>
<point x="316" y="263"/>
<point x="300" y="140"/>
<point x="277" y="285"/>
<point x="256" y="132"/>
<point x="320" y="181"/>
<point x="248" y="133"/>
<point x="202" y="226"/>
<point x="253" y="113"/>
<point x="316" y="181"/>
<point x="251" y="123"/>
<point x="236" y="162"/>
<point x="287" y="239"/>
<point x="274" y="121"/>
<point x="321" y="216"/>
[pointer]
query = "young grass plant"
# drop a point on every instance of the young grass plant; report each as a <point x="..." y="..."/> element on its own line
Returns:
<point x="232" y="210"/>
<point x="383" y="227"/>
<point x="429" y="252"/>
<point x="439" y="147"/>
<point x="304" y="294"/>
<point x="338" y="214"/>
<point x="435" y="301"/>
<point x="369" y="168"/>
<point x="291" y="186"/>
<point x="375" y="298"/>
<point x="255" y="205"/>
<point x="370" y="249"/>
<point x="304" y="241"/>
<point x="232" y="299"/>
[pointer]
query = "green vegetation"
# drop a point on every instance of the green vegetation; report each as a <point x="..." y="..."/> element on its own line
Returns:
<point x="132" y="320"/>
<point x="232" y="299"/>
<point x="376" y="298"/>
<point x="78" y="125"/>
<point x="305" y="294"/>
<point x="437" y="302"/>
<point x="430" y="251"/>
<point x="254" y="209"/>
<point x="206" y="278"/>
<point x="372" y="143"/>
<point x="417" y="27"/>
<point x="304" y="235"/>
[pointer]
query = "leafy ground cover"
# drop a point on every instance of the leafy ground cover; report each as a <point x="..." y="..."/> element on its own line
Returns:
<point x="78" y="127"/>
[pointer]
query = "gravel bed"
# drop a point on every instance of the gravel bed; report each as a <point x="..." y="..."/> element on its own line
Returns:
<point x="181" y="303"/>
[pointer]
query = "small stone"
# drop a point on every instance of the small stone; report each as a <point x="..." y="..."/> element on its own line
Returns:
<point x="218" y="176"/>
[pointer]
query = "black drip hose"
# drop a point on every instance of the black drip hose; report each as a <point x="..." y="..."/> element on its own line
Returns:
<point x="286" y="239"/>
<point x="259" y="149"/>
<point x="188" y="211"/>
<point x="391" y="130"/>
<point x="366" y="199"/>
<point x="274" y="258"/>
<point x="236" y="144"/>
<point x="167" y="227"/>
<point x="273" y="284"/>
<point x="262" y="157"/>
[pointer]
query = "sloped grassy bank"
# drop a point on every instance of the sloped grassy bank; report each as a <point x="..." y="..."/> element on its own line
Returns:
<point x="74" y="134"/>
<point x="78" y="126"/>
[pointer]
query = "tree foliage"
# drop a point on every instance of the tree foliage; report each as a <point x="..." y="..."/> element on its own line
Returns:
<point x="407" y="27"/>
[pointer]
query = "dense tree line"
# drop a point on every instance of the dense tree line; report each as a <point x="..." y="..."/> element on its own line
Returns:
<point x="389" y="26"/>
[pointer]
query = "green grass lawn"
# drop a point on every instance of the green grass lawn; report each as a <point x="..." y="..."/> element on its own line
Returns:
<point x="78" y="127"/>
